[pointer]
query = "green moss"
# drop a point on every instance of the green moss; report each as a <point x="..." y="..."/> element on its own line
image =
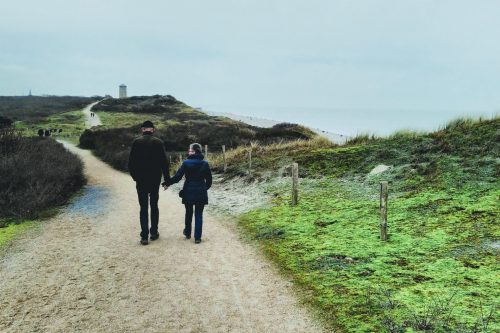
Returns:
<point x="437" y="272"/>
<point x="13" y="230"/>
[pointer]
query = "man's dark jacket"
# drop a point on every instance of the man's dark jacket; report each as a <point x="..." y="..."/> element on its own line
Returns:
<point x="147" y="161"/>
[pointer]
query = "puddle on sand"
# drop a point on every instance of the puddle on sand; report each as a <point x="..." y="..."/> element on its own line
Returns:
<point x="92" y="201"/>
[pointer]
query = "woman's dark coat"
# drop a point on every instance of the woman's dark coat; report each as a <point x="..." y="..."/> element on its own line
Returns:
<point x="198" y="180"/>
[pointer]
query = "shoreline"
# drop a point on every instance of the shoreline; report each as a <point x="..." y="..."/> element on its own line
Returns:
<point x="261" y="122"/>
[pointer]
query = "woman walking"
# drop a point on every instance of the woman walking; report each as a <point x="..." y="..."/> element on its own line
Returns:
<point x="194" y="192"/>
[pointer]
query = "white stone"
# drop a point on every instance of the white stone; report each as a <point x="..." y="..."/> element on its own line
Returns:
<point x="379" y="169"/>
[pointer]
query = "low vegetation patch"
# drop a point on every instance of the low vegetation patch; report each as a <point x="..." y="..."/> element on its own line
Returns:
<point x="67" y="126"/>
<point x="10" y="232"/>
<point x="37" y="174"/>
<point x="32" y="109"/>
<point x="267" y="159"/>
<point x="144" y="104"/>
<point x="438" y="270"/>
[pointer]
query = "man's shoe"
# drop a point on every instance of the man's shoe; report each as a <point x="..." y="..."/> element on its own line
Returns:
<point x="144" y="242"/>
<point x="154" y="237"/>
<point x="188" y="236"/>
<point x="197" y="241"/>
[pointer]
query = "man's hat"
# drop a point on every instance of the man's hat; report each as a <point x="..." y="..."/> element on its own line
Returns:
<point x="148" y="124"/>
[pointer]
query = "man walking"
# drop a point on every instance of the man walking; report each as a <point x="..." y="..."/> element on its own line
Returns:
<point x="147" y="162"/>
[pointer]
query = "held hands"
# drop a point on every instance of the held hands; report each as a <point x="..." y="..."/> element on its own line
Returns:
<point x="165" y="186"/>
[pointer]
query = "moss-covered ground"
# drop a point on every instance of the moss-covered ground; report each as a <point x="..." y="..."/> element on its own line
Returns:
<point x="11" y="231"/>
<point x="439" y="270"/>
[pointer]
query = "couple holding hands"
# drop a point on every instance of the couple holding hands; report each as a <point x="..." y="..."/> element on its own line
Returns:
<point x="147" y="162"/>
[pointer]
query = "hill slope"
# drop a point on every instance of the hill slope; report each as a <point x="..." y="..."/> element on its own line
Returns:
<point x="177" y="125"/>
<point x="438" y="270"/>
<point x="35" y="108"/>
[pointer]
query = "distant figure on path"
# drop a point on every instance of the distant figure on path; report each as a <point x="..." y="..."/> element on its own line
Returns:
<point x="40" y="132"/>
<point x="195" y="189"/>
<point x="47" y="133"/>
<point x="147" y="162"/>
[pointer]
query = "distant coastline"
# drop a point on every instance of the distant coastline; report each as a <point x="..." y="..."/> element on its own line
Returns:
<point x="261" y="122"/>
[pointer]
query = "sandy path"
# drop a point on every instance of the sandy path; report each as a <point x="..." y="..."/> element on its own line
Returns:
<point x="91" y="121"/>
<point x="86" y="272"/>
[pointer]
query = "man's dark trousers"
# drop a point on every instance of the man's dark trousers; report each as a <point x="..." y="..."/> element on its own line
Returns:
<point x="148" y="193"/>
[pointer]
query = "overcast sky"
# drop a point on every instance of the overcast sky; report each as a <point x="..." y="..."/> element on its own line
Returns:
<point x="344" y="66"/>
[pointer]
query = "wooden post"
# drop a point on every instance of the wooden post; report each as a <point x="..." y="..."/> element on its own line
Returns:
<point x="250" y="161"/>
<point x="224" y="157"/>
<point x="383" y="210"/>
<point x="206" y="152"/>
<point x="295" y="184"/>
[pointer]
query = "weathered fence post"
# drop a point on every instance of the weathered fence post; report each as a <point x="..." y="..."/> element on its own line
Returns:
<point x="383" y="210"/>
<point x="295" y="184"/>
<point x="206" y="152"/>
<point x="250" y="161"/>
<point x="224" y="157"/>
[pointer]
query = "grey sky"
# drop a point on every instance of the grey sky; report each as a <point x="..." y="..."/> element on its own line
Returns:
<point x="345" y="66"/>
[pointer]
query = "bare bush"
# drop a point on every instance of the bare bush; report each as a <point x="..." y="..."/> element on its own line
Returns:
<point x="35" y="174"/>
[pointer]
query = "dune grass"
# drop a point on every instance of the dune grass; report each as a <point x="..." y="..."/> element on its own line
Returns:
<point x="265" y="157"/>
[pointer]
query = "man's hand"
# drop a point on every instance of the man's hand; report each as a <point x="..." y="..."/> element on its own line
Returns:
<point x="165" y="186"/>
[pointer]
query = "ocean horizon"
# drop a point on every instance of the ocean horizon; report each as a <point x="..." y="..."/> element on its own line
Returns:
<point x="350" y="122"/>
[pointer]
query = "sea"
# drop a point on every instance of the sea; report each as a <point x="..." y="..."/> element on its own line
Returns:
<point x="344" y="123"/>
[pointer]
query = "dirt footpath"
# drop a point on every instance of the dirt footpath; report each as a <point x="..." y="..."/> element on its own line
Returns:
<point x="89" y="120"/>
<point x="86" y="272"/>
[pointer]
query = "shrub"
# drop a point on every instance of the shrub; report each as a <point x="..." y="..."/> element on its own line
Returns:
<point x="141" y="104"/>
<point x="113" y="145"/>
<point x="5" y="122"/>
<point x="37" y="173"/>
<point x="87" y="140"/>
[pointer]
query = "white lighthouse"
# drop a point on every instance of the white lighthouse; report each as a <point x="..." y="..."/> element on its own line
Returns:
<point x="123" y="91"/>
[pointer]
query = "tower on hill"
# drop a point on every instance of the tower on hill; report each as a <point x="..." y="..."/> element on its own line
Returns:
<point x="123" y="91"/>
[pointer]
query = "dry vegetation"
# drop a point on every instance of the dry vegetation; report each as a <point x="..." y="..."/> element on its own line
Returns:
<point x="178" y="125"/>
<point x="37" y="174"/>
<point x="32" y="109"/>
